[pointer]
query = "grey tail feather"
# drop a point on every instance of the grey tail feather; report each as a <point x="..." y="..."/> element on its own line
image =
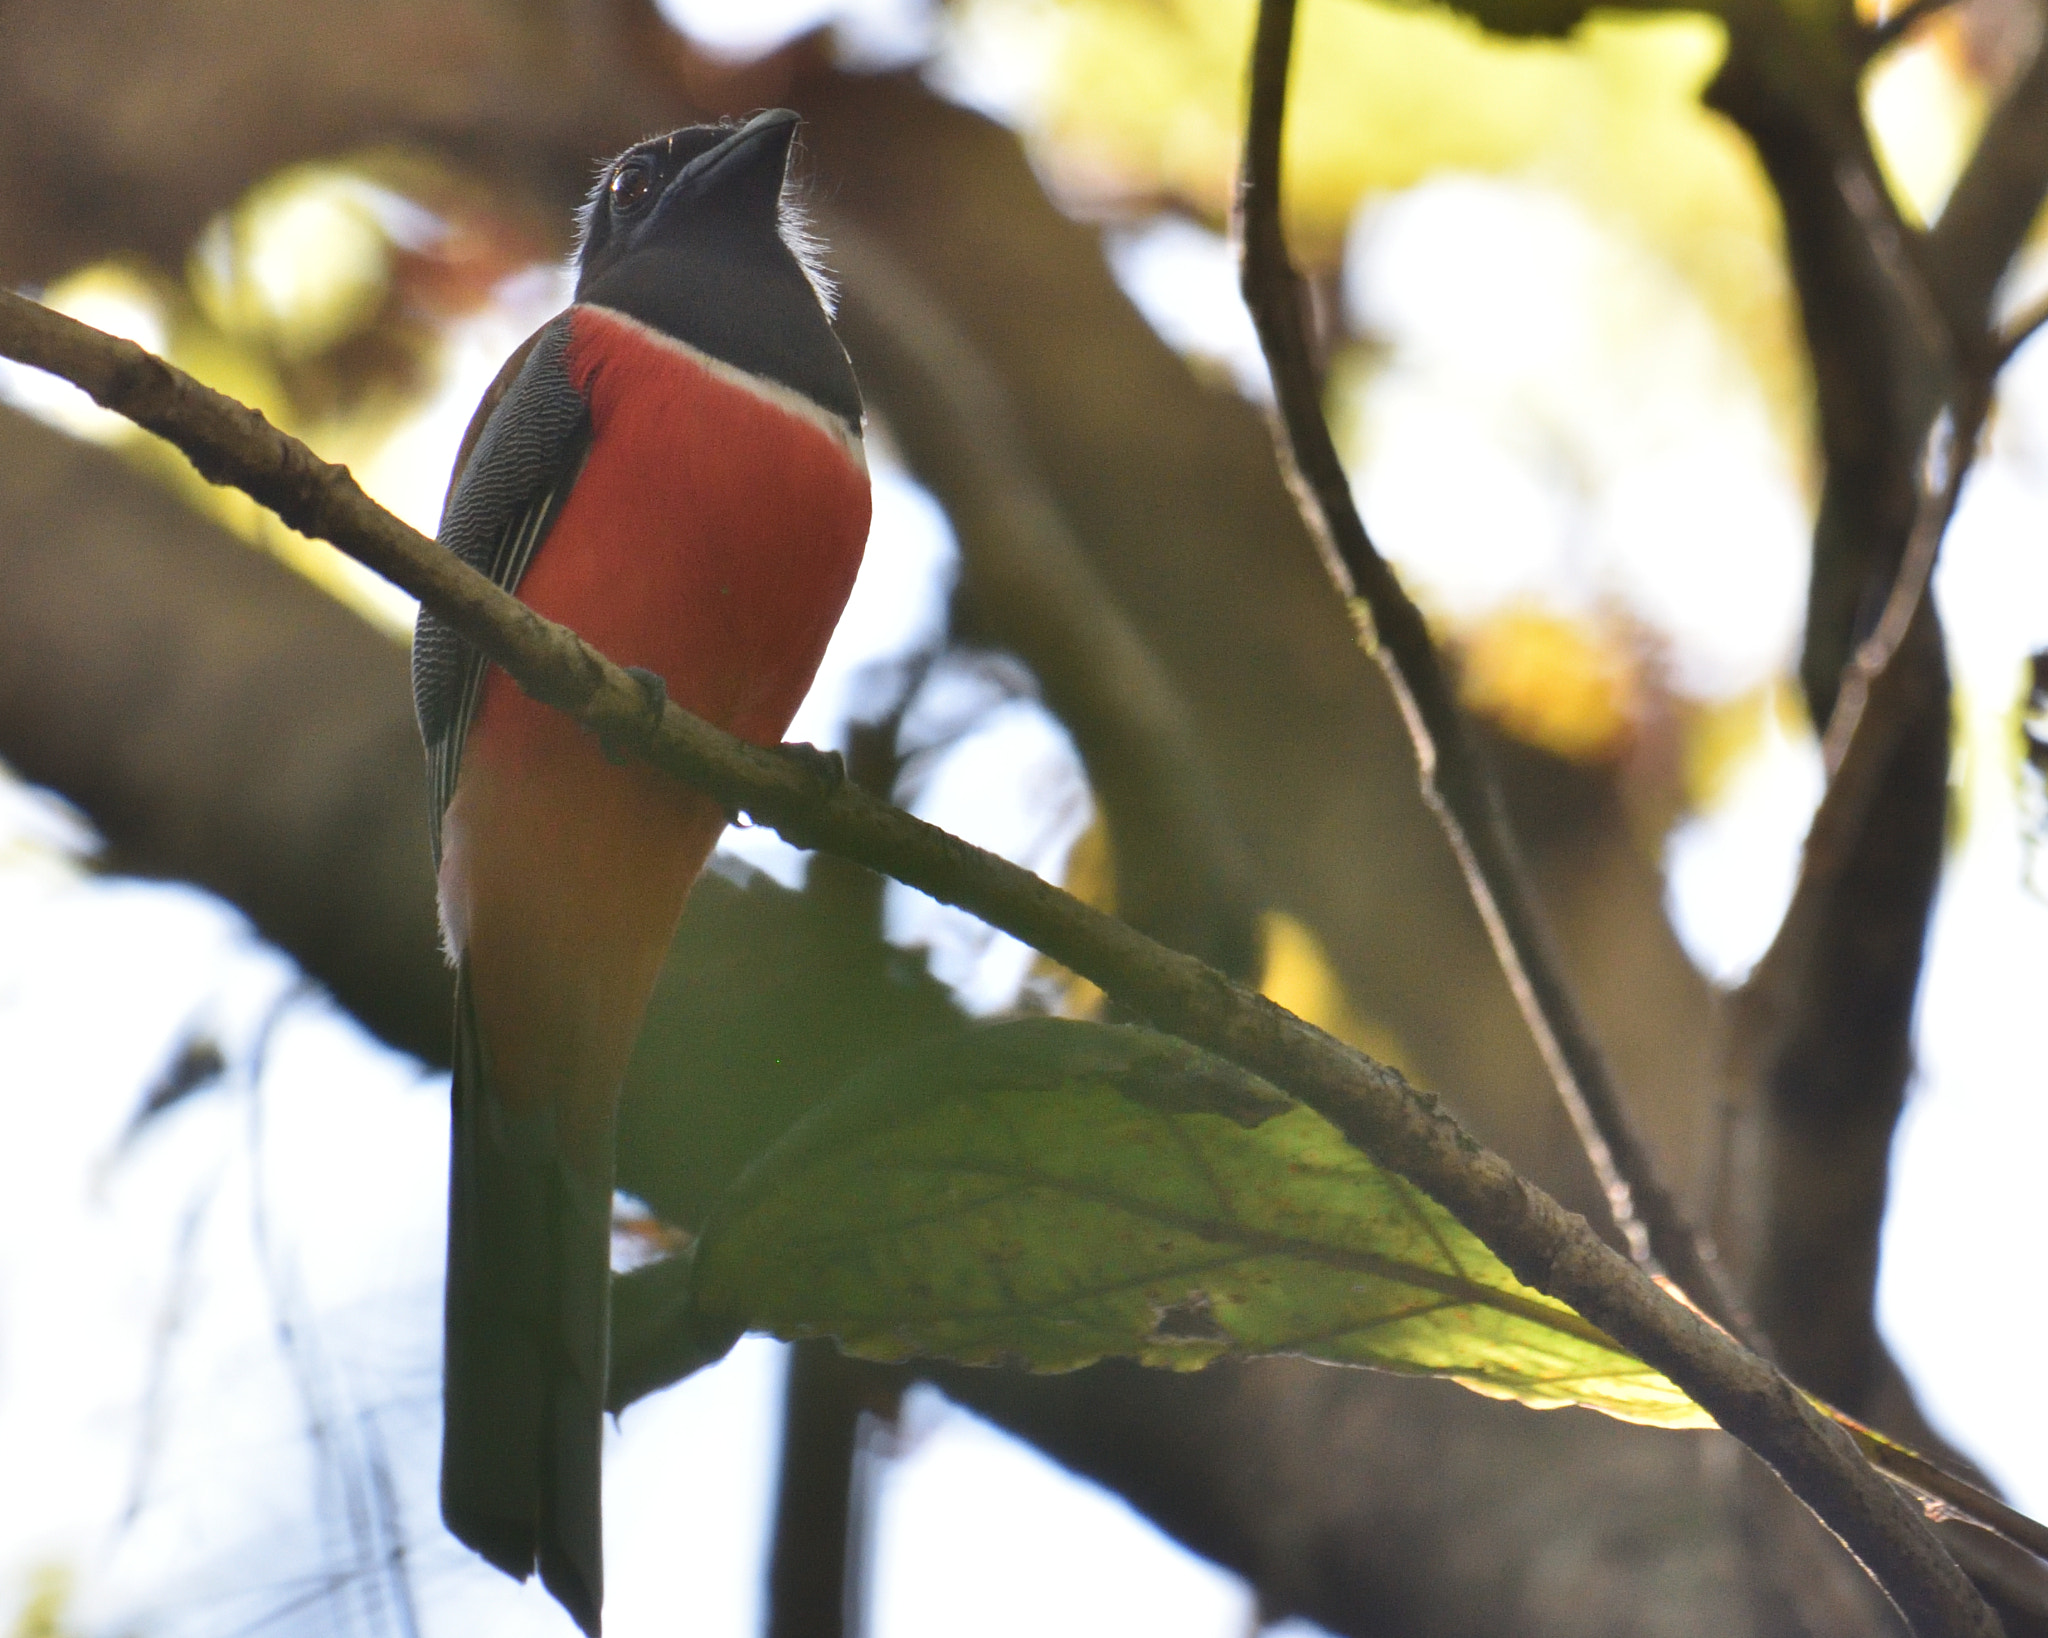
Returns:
<point x="527" y="1330"/>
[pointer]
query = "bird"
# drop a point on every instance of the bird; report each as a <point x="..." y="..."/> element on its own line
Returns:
<point x="674" y="468"/>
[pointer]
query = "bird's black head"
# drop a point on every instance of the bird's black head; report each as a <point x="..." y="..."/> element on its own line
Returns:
<point x="689" y="233"/>
<point x="717" y="181"/>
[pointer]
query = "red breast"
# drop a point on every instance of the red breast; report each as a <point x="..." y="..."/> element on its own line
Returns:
<point x="712" y="537"/>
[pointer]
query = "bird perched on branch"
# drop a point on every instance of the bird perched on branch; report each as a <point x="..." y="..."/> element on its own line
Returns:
<point x="673" y="468"/>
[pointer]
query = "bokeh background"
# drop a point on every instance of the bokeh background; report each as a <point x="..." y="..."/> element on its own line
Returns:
<point x="1565" y="365"/>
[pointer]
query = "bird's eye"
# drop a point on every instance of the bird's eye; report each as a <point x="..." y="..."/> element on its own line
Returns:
<point x="632" y="187"/>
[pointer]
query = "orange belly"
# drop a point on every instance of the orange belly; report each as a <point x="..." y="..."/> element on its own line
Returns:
<point x="712" y="538"/>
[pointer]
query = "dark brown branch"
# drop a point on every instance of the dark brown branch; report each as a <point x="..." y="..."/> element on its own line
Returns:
<point x="1455" y="783"/>
<point x="1994" y="202"/>
<point x="1878" y="335"/>
<point x="1890" y="713"/>
<point x="1372" y="1104"/>
<point x="1875" y="698"/>
<point x="815" y="1582"/>
<point x="1880" y="698"/>
<point x="1945" y="463"/>
<point x="2021" y="331"/>
<point x="1847" y="949"/>
<point x="1818" y="1044"/>
<point x="1901" y="258"/>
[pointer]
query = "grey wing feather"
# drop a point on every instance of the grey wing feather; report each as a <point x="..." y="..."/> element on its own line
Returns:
<point x="503" y="502"/>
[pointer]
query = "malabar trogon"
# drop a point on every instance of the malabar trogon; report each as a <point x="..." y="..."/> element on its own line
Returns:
<point x="673" y="468"/>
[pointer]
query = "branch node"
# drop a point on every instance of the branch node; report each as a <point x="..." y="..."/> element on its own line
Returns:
<point x="632" y="740"/>
<point x="825" y="771"/>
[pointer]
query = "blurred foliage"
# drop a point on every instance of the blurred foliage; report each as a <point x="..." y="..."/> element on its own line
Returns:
<point x="322" y="298"/>
<point x="1047" y="1193"/>
<point x="1144" y="98"/>
<point x="1298" y="975"/>
<point x="1560" y="684"/>
<point x="1721" y="736"/>
<point x="43" y="1610"/>
<point x="1139" y="103"/>
<point x="1926" y="105"/>
<point x="304" y="262"/>
<point x="1091" y="877"/>
<point x="1295" y="969"/>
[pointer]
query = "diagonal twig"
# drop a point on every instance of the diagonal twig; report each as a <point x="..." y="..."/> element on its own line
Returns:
<point x="1879" y="697"/>
<point x="1971" y="245"/>
<point x="1370" y="1103"/>
<point x="2018" y="333"/>
<point x="1455" y="783"/>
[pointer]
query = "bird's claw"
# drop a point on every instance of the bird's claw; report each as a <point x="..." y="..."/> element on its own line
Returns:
<point x="829" y="767"/>
<point x="620" y="749"/>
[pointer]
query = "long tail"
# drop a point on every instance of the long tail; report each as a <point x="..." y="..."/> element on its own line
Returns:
<point x="528" y="1317"/>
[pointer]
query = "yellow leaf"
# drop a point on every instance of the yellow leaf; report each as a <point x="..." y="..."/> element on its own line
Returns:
<point x="1551" y="682"/>
<point x="1298" y="976"/>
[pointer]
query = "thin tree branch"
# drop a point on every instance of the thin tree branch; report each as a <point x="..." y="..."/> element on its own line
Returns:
<point x="1901" y="257"/>
<point x="2021" y="331"/>
<point x="1455" y="783"/>
<point x="1945" y="463"/>
<point x="1957" y="1497"/>
<point x="804" y="798"/>
<point x="1995" y="200"/>
<point x="1880" y="697"/>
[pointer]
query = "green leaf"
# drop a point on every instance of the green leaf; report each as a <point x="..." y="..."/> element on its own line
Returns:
<point x="769" y="1001"/>
<point x="1047" y="1193"/>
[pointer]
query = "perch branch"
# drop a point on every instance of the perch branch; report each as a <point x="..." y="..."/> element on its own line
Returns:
<point x="1455" y="783"/>
<point x="801" y="796"/>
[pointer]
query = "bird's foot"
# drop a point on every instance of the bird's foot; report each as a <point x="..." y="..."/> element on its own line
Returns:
<point x="827" y="767"/>
<point x="633" y="745"/>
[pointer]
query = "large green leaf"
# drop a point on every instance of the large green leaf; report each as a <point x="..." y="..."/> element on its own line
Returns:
<point x="1047" y="1193"/>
